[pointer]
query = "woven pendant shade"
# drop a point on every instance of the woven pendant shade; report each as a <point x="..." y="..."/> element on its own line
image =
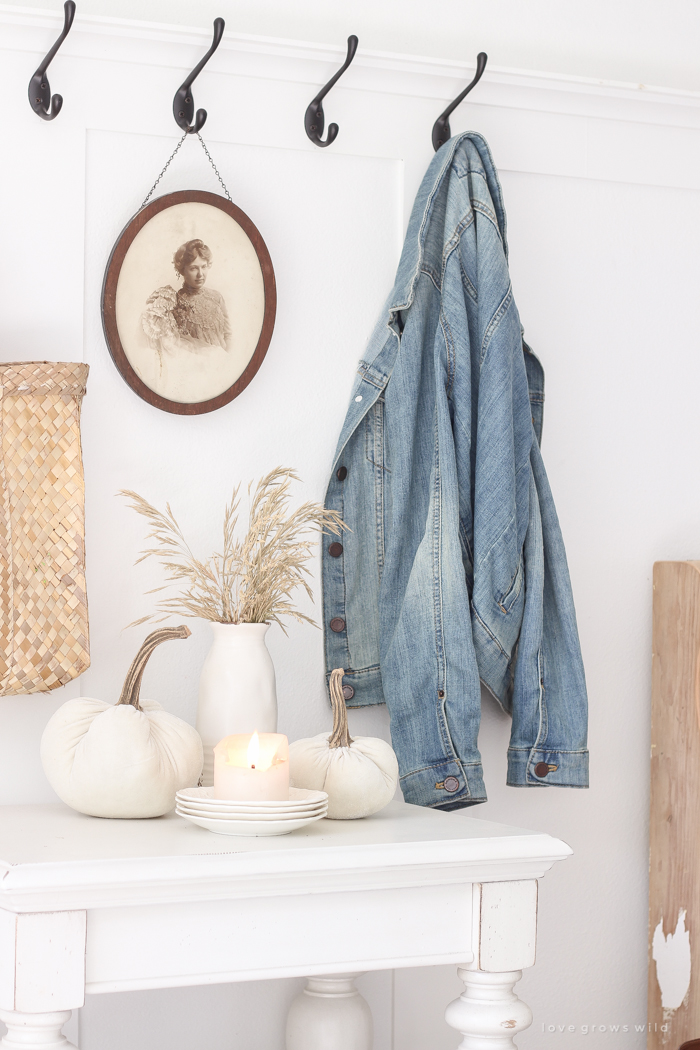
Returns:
<point x="44" y="628"/>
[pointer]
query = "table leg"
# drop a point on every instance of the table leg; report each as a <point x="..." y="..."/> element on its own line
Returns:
<point x="42" y="963"/>
<point x="35" y="1031"/>
<point x="330" y="1012"/>
<point x="488" y="1013"/>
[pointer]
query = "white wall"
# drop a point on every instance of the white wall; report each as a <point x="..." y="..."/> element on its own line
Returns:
<point x="601" y="187"/>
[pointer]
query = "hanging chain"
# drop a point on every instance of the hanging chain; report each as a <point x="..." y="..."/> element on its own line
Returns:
<point x="171" y="157"/>
<point x="223" y="184"/>
<point x="150" y="192"/>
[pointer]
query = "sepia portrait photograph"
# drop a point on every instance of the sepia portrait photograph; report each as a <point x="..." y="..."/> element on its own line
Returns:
<point x="189" y="302"/>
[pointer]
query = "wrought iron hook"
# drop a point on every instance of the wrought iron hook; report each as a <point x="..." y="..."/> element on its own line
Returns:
<point x="183" y="103"/>
<point x="39" y="90"/>
<point x="441" y="127"/>
<point x="314" y="118"/>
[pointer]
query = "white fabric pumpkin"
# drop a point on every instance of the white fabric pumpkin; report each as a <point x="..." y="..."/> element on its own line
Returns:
<point x="360" y="776"/>
<point x="126" y="759"/>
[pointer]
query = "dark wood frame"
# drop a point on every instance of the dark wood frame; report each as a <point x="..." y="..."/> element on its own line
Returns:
<point x="109" y="295"/>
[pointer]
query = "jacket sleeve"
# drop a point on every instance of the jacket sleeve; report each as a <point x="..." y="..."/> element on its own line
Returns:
<point x="549" y="706"/>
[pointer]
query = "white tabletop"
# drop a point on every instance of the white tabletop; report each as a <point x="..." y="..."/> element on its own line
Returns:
<point x="55" y="857"/>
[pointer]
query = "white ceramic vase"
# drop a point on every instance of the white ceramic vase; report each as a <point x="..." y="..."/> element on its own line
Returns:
<point x="236" y="688"/>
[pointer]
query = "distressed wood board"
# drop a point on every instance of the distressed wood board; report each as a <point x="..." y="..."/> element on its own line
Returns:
<point x="674" y="868"/>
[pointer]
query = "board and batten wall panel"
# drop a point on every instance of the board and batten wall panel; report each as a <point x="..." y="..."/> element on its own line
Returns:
<point x="602" y="188"/>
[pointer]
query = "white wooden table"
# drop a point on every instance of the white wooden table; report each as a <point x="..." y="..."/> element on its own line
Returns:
<point x="93" y="905"/>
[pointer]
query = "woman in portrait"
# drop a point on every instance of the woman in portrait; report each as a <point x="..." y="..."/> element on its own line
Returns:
<point x="193" y="317"/>
<point x="187" y="327"/>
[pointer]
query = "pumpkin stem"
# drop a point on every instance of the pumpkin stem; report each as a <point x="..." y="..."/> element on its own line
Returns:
<point x="132" y="682"/>
<point x="340" y="737"/>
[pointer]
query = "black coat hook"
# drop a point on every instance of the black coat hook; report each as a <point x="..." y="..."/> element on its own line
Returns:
<point x="183" y="103"/>
<point x="39" y="91"/>
<point x="441" y="127"/>
<point x="314" y="118"/>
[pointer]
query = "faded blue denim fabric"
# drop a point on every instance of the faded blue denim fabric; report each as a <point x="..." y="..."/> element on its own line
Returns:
<point x="454" y="572"/>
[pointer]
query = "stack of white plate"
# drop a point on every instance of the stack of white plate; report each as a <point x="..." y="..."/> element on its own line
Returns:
<point x="228" y="817"/>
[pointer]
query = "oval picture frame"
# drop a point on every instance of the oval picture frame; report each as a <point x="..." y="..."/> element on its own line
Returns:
<point x="178" y="346"/>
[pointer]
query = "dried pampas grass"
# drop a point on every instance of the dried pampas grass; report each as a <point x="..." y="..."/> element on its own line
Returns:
<point x="253" y="579"/>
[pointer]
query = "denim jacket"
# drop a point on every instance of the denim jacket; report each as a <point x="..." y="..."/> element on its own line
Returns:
<point x="454" y="573"/>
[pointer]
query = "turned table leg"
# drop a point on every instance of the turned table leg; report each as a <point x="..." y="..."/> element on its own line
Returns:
<point x="42" y="976"/>
<point x="330" y="1012"/>
<point x="35" y="1031"/>
<point x="488" y="1013"/>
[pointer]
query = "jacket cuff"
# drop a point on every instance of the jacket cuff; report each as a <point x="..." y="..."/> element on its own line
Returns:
<point x="445" y="785"/>
<point x="534" y="768"/>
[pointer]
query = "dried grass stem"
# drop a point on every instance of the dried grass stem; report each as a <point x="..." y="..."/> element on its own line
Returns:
<point x="251" y="580"/>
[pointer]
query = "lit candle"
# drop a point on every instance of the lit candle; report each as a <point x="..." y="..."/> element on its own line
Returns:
<point x="252" y="768"/>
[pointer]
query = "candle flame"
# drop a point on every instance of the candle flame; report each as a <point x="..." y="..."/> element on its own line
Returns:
<point x="254" y="750"/>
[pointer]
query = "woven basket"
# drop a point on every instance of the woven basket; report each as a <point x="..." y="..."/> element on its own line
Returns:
<point x="44" y="628"/>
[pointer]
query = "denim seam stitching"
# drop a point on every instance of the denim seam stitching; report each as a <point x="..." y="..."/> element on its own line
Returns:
<point x="510" y="592"/>
<point x="550" y="750"/>
<point x="430" y="273"/>
<point x="467" y="284"/>
<point x="451" y="355"/>
<point x="453" y="242"/>
<point x="372" y="382"/>
<point x="495" y="321"/>
<point x="379" y="485"/>
<point x="437" y="577"/>
<point x="464" y="173"/>
<point x="543" y="726"/>
<point x="370" y="434"/>
<point x="445" y="734"/>
<point x="490" y="633"/>
<point x="437" y="765"/>
<point x="484" y="210"/>
<point x="358" y="671"/>
<point x="374" y="378"/>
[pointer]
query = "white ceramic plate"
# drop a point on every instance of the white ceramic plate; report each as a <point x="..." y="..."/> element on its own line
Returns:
<point x="299" y="798"/>
<point x="227" y="811"/>
<point x="249" y="828"/>
<point x="256" y="815"/>
<point x="250" y="807"/>
<point x="183" y="810"/>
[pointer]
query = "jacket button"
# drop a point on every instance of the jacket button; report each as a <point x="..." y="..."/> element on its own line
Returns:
<point x="335" y="550"/>
<point x="451" y="784"/>
<point x="341" y="473"/>
<point x="348" y="692"/>
<point x="337" y="624"/>
<point x="541" y="769"/>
